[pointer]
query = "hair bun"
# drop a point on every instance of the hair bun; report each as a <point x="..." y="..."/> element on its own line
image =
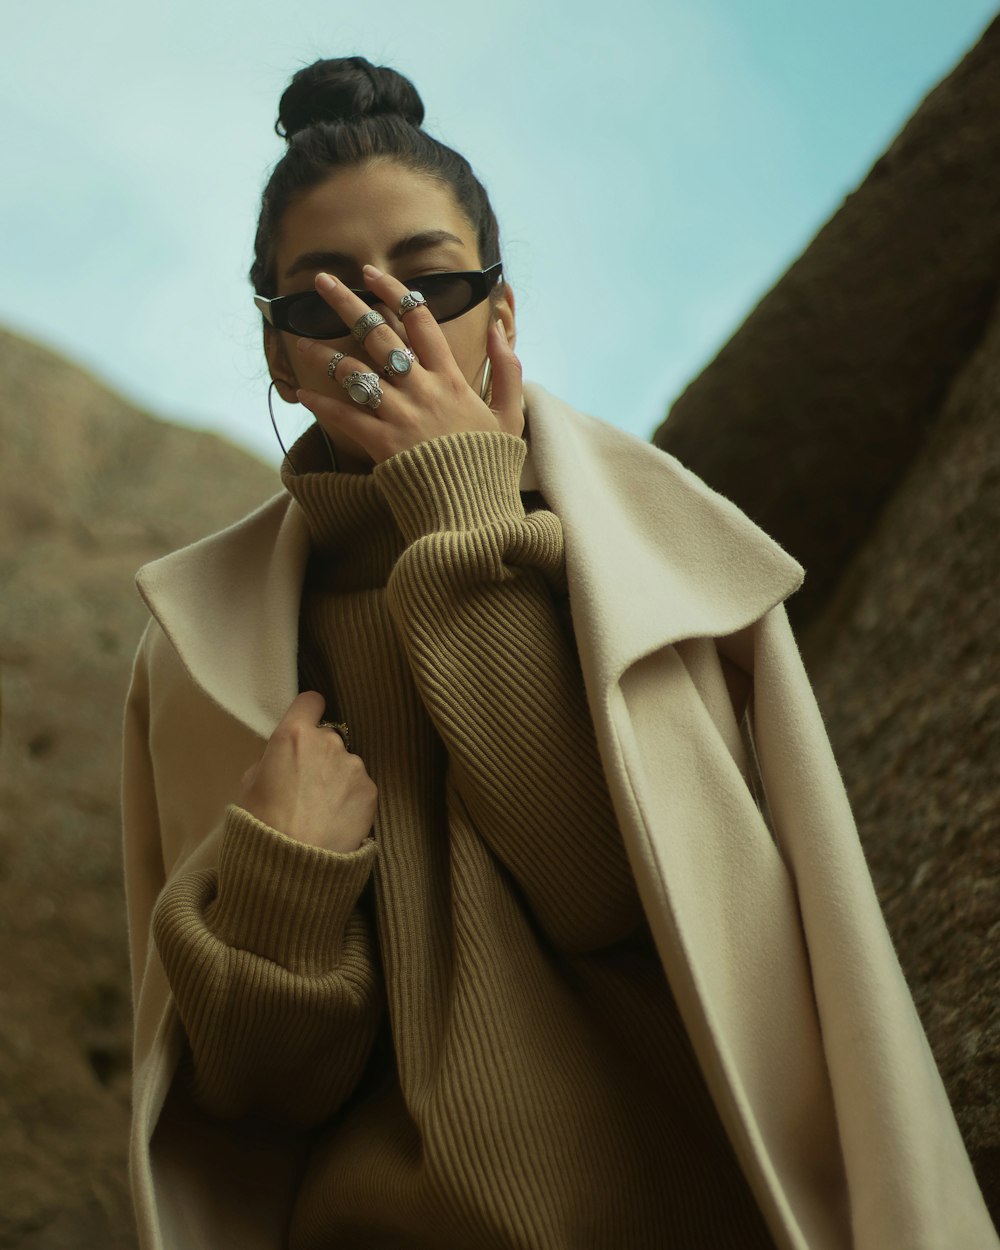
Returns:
<point x="345" y="89"/>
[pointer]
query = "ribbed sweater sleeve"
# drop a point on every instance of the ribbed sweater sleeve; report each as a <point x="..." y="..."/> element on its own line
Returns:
<point x="273" y="967"/>
<point x="474" y="598"/>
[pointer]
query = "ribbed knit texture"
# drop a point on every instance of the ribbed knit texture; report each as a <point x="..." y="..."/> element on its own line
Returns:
<point x="529" y="1083"/>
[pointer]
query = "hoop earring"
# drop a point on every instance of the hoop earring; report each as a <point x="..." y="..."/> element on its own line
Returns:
<point x="274" y="424"/>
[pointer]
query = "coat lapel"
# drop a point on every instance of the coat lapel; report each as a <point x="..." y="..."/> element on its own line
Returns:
<point x="229" y="604"/>
<point x="652" y="554"/>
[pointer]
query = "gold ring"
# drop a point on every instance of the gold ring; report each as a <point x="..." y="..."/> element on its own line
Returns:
<point x="339" y="727"/>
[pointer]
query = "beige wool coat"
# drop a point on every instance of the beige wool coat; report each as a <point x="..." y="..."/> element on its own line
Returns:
<point x="768" y="928"/>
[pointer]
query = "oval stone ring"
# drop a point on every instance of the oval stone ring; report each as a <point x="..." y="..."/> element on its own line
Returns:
<point x="412" y="299"/>
<point x="363" y="388"/>
<point x="400" y="361"/>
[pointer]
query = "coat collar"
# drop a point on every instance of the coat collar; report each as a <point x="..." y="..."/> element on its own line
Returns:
<point x="652" y="556"/>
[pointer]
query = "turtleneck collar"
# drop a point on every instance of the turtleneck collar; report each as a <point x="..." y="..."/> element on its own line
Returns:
<point x="353" y="533"/>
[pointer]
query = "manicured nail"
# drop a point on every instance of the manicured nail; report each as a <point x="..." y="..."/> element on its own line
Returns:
<point x="503" y="332"/>
<point x="324" y="282"/>
<point x="371" y="272"/>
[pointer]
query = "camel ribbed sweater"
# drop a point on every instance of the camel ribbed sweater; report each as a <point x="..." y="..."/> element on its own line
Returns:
<point x="467" y="1015"/>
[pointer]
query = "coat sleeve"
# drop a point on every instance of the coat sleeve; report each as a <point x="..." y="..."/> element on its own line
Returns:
<point x="479" y="600"/>
<point x="909" y="1177"/>
<point x="269" y="955"/>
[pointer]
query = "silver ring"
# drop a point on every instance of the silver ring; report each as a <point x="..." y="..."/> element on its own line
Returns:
<point x="400" y="361"/>
<point x="364" y="389"/>
<point x="364" y="325"/>
<point x="334" y="362"/>
<point x="411" y="300"/>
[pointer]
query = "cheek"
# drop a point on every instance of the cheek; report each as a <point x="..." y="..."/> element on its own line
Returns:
<point x="467" y="339"/>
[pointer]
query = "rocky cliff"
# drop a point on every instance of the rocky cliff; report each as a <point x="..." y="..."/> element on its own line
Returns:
<point x="90" y="489"/>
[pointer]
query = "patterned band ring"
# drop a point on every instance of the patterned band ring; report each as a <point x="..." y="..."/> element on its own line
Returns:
<point x="364" y="325"/>
<point x="364" y="389"/>
<point x="335" y="360"/>
<point x="401" y="360"/>
<point x="411" y="300"/>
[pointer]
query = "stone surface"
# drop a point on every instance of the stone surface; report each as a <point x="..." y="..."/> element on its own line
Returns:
<point x="906" y="665"/>
<point x="91" y="489"/>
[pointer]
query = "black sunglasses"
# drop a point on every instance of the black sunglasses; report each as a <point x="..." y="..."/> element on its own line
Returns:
<point x="448" y="295"/>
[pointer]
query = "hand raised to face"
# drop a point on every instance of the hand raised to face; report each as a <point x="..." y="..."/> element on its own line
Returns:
<point x="432" y="398"/>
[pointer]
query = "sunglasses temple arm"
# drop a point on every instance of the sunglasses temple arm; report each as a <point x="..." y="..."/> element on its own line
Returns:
<point x="265" y="307"/>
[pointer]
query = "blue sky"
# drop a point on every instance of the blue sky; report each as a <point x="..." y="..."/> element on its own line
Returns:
<point x="655" y="165"/>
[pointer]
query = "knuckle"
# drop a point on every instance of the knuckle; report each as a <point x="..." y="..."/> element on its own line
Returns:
<point x="293" y="735"/>
<point x="381" y="334"/>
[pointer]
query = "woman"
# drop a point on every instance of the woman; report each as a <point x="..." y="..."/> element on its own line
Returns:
<point x="455" y="919"/>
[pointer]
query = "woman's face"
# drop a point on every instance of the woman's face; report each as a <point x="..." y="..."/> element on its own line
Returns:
<point x="403" y="222"/>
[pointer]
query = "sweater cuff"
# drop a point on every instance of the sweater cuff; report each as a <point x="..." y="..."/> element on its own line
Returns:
<point x="282" y="899"/>
<point x="454" y="482"/>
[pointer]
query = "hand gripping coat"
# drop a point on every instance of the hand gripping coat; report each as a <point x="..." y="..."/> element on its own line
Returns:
<point x="769" y="930"/>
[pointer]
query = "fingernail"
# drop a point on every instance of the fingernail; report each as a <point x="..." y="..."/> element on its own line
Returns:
<point x="302" y="344"/>
<point x="371" y="272"/>
<point x="324" y="282"/>
<point x="503" y="332"/>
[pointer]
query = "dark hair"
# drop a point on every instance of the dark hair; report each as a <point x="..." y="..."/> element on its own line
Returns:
<point x="344" y="111"/>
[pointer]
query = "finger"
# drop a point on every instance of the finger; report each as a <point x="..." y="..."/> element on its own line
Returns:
<point x="505" y="400"/>
<point x="305" y="708"/>
<point x="344" y="416"/>
<point x="423" y="332"/>
<point x="341" y="408"/>
<point x="378" y="342"/>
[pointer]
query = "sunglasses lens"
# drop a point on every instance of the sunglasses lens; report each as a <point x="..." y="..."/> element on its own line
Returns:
<point x="448" y="295"/>
<point x="316" y="319"/>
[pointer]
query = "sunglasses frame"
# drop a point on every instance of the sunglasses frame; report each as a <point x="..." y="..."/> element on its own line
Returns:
<point x="482" y="281"/>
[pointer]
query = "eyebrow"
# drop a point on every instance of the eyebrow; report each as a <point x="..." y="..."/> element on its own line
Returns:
<point x="407" y="246"/>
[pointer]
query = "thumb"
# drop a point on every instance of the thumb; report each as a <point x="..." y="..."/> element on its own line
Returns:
<point x="505" y="397"/>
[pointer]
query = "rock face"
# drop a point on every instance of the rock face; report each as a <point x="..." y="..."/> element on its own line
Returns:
<point x="91" y="489"/>
<point x="871" y="375"/>
<point x="906" y="665"/>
